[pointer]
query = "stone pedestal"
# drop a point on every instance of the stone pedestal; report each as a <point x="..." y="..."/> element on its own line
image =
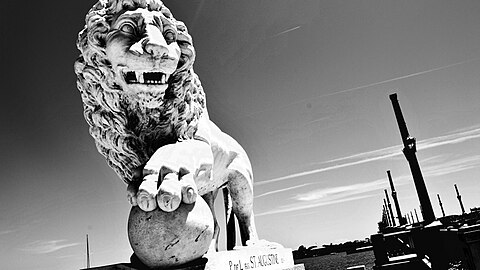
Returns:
<point x="247" y="258"/>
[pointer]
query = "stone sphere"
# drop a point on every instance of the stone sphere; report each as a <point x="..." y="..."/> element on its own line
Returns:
<point x="166" y="239"/>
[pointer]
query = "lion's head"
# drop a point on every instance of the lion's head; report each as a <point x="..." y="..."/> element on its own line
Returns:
<point x="136" y="80"/>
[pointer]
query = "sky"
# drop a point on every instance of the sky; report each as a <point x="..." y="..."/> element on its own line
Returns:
<point x="302" y="85"/>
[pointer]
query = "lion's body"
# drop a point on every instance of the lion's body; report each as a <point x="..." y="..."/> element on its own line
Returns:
<point x="140" y="96"/>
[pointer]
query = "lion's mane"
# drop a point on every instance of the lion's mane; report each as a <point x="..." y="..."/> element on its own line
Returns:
<point x="127" y="132"/>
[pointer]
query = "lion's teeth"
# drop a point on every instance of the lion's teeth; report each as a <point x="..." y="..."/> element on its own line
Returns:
<point x="130" y="76"/>
<point x="146" y="77"/>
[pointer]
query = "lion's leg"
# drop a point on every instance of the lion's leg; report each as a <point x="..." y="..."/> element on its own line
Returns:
<point x="210" y="200"/>
<point x="230" y="220"/>
<point x="241" y="189"/>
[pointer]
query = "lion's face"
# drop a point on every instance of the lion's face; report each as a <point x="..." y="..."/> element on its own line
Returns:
<point x="142" y="48"/>
<point x="136" y="79"/>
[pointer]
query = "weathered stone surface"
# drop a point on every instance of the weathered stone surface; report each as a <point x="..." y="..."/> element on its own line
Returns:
<point x="166" y="239"/>
<point x="141" y="96"/>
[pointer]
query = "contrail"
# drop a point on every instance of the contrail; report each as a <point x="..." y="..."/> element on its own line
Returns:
<point x="383" y="153"/>
<point x="282" y="190"/>
<point x="399" y="78"/>
<point x="339" y="194"/>
<point x="197" y="15"/>
<point x="286" y="31"/>
<point x="333" y="167"/>
<point x="366" y="85"/>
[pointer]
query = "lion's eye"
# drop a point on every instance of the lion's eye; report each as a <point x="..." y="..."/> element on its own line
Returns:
<point x="169" y="36"/>
<point x="128" y="28"/>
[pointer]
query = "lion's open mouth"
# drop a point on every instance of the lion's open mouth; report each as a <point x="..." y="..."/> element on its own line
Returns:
<point x="132" y="77"/>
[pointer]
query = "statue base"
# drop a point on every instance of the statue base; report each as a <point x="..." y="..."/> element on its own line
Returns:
<point x="243" y="258"/>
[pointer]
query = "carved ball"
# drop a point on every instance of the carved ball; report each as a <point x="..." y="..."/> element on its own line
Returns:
<point x="165" y="239"/>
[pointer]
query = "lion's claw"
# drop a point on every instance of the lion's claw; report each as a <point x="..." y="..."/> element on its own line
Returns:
<point x="189" y="195"/>
<point x="189" y="189"/>
<point x="146" y="193"/>
<point x="169" y="194"/>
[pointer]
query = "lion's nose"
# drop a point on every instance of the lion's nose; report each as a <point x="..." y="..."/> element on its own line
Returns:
<point x="155" y="43"/>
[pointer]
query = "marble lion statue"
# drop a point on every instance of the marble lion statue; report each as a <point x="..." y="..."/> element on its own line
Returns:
<point x="146" y="110"/>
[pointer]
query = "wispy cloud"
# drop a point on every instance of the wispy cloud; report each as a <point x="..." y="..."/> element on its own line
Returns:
<point x="452" y="166"/>
<point x="388" y="152"/>
<point x="339" y="194"/>
<point x="7" y="232"/>
<point x="283" y="190"/>
<point x="297" y="207"/>
<point x="453" y="138"/>
<point x="340" y="191"/>
<point x="332" y="195"/>
<point x="67" y="256"/>
<point x="324" y="169"/>
<point x="44" y="247"/>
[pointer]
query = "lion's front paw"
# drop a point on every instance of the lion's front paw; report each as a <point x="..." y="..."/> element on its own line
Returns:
<point x="174" y="189"/>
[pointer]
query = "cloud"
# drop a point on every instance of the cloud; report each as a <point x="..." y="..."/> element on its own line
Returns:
<point x="286" y="31"/>
<point x="340" y="191"/>
<point x="69" y="256"/>
<point x="297" y="207"/>
<point x="388" y="152"/>
<point x="453" y="138"/>
<point x="282" y="190"/>
<point x="333" y="195"/>
<point x="7" y="232"/>
<point x="340" y="194"/>
<point x="333" y="167"/>
<point x="452" y="166"/>
<point x="44" y="247"/>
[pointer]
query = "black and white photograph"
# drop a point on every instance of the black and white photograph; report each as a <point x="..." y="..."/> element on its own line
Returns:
<point x="240" y="135"/>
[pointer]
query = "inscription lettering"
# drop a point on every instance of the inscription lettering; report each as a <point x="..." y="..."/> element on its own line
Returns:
<point x="235" y="265"/>
<point x="256" y="261"/>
